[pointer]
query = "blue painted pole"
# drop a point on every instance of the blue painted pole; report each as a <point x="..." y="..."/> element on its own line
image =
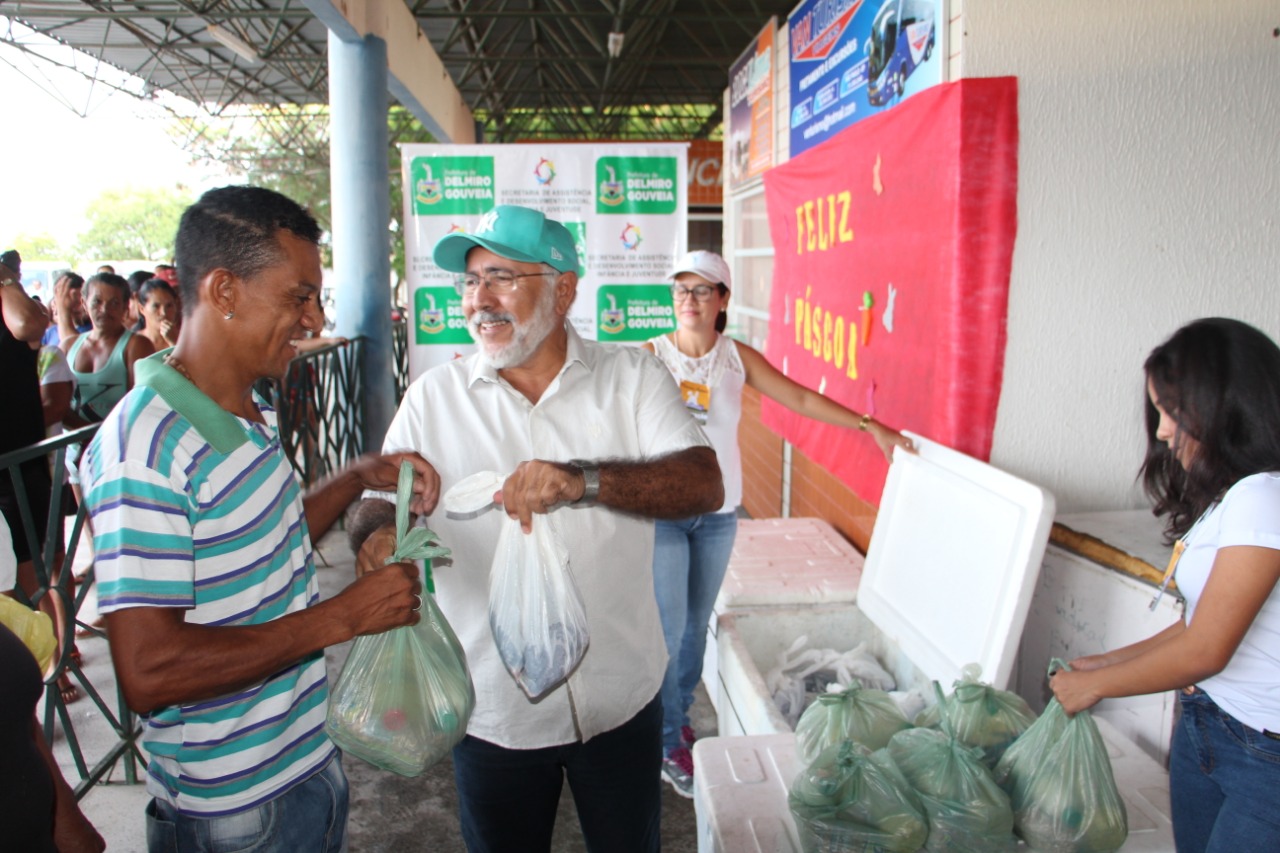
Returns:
<point x="359" y="168"/>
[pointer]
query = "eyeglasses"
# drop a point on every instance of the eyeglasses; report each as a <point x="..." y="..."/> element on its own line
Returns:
<point x="498" y="281"/>
<point x="700" y="292"/>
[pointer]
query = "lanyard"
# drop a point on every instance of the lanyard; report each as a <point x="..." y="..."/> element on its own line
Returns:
<point x="1178" y="548"/>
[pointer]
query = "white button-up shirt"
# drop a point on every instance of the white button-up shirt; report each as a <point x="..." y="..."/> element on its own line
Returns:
<point x="606" y="403"/>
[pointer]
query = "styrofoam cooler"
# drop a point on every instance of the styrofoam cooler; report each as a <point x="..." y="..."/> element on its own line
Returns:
<point x="740" y="792"/>
<point x="778" y="562"/>
<point x="947" y="581"/>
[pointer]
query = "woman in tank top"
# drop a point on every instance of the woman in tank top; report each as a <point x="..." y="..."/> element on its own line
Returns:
<point x="102" y="358"/>
<point x="691" y="555"/>
<point x="1213" y="469"/>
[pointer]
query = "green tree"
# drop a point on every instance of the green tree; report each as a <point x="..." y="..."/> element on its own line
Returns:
<point x="133" y="223"/>
<point x="286" y="148"/>
<point x="39" y="247"/>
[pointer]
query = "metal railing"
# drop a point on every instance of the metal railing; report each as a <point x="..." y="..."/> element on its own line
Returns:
<point x="321" y="421"/>
<point x="319" y="409"/>
<point x="400" y="356"/>
<point x="54" y="582"/>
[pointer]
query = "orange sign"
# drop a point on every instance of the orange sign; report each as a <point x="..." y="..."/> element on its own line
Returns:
<point x="706" y="182"/>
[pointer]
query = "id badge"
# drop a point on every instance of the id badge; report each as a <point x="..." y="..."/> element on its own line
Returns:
<point x="697" y="399"/>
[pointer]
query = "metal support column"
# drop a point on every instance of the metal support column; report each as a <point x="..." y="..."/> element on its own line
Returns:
<point x="361" y="212"/>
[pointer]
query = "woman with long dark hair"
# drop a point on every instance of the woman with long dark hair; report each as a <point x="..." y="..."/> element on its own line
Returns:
<point x="1213" y="470"/>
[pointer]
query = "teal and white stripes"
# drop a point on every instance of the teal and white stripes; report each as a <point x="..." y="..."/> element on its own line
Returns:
<point x="178" y="523"/>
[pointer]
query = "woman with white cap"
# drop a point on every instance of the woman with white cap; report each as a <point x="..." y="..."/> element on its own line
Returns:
<point x="691" y="555"/>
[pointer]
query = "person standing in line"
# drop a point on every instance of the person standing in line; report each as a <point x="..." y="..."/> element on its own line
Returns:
<point x="102" y="359"/>
<point x="595" y="437"/>
<point x="691" y="554"/>
<point x="203" y="546"/>
<point x="67" y="309"/>
<point x="22" y="322"/>
<point x="1213" y="469"/>
<point x="160" y="321"/>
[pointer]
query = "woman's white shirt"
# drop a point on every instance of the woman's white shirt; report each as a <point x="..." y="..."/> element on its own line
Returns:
<point x="711" y="387"/>
<point x="1249" y="514"/>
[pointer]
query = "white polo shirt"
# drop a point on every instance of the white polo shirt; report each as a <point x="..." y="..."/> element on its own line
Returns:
<point x="607" y="402"/>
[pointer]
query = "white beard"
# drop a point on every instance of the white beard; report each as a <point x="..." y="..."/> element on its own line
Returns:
<point x="525" y="338"/>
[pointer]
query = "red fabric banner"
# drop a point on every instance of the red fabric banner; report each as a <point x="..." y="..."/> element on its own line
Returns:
<point x="893" y="243"/>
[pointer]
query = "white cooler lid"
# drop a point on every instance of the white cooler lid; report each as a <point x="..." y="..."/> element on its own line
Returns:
<point x="953" y="561"/>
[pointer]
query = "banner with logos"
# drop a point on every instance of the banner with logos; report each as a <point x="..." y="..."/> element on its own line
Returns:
<point x="626" y="205"/>
<point x="750" y="129"/>
<point x="893" y="244"/>
<point x="851" y="59"/>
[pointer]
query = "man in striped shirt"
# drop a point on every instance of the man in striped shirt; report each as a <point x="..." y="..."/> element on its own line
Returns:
<point x="203" y="546"/>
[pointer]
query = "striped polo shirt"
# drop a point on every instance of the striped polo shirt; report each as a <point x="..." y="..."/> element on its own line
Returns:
<point x="195" y="508"/>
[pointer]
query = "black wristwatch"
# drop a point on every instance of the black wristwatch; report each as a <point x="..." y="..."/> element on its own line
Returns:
<point x="590" y="481"/>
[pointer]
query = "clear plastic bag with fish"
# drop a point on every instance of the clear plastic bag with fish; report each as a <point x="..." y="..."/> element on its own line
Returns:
<point x="536" y="612"/>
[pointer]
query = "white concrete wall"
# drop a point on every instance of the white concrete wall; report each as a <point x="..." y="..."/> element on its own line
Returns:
<point x="1149" y="195"/>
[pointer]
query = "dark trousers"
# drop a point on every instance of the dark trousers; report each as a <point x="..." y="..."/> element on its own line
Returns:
<point x="508" y="797"/>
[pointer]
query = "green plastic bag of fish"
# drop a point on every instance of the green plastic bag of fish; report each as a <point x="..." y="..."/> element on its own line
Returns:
<point x="845" y="801"/>
<point x="981" y="715"/>
<point x="861" y="714"/>
<point x="405" y="696"/>
<point x="1061" y="785"/>
<point x="966" y="810"/>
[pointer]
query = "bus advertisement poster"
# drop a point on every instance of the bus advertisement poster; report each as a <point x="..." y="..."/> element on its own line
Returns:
<point x="854" y="58"/>
<point x="751" y="109"/>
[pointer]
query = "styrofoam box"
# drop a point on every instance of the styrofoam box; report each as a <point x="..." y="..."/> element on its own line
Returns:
<point x="781" y="561"/>
<point x="740" y="793"/>
<point x="948" y="580"/>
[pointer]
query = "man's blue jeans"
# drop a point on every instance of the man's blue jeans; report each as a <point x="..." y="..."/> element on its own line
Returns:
<point x="689" y="561"/>
<point x="1223" y="782"/>
<point x="310" y="816"/>
<point x="507" y="798"/>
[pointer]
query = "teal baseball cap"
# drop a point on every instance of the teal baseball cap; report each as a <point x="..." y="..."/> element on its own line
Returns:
<point x="518" y="233"/>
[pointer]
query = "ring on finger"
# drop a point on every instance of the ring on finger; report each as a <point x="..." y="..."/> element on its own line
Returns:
<point x="417" y="606"/>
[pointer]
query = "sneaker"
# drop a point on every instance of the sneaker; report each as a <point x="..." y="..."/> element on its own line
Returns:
<point x="687" y="736"/>
<point x="677" y="768"/>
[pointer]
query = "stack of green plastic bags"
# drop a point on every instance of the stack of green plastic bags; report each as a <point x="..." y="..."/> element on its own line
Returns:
<point x="872" y="782"/>
<point x="405" y="696"/>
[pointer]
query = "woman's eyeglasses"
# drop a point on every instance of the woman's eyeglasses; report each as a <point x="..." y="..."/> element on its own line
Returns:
<point x="700" y="292"/>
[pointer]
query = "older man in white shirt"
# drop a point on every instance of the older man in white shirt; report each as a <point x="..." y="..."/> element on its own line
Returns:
<point x="597" y="436"/>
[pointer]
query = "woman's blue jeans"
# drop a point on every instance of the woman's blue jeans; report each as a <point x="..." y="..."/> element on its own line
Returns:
<point x="1223" y="782"/>
<point x="689" y="561"/>
<point x="310" y="816"/>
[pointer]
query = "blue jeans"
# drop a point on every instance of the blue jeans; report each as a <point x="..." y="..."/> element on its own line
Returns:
<point x="310" y="816"/>
<point x="507" y="798"/>
<point x="689" y="561"/>
<point x="1223" y="779"/>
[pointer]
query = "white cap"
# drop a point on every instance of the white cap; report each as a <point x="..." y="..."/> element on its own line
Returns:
<point x="709" y="265"/>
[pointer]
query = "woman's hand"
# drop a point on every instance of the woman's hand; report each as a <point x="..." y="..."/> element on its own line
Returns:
<point x="1075" y="691"/>
<point x="167" y="332"/>
<point x="887" y="439"/>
